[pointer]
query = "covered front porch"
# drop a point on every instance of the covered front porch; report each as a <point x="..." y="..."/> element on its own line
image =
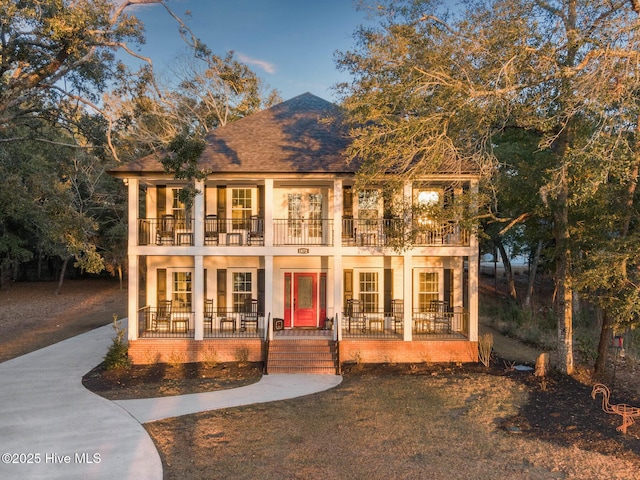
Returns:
<point x="179" y="322"/>
<point x="361" y="345"/>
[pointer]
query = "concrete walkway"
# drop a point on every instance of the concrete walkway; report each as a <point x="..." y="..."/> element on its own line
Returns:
<point x="51" y="427"/>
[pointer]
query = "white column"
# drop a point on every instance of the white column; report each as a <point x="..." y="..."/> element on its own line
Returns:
<point x="407" y="270"/>
<point x="474" y="258"/>
<point x="198" y="214"/>
<point x="338" y="287"/>
<point x="132" y="297"/>
<point x="132" y="241"/>
<point x="407" y="295"/>
<point x="268" y="291"/>
<point x="268" y="213"/>
<point x="198" y="296"/>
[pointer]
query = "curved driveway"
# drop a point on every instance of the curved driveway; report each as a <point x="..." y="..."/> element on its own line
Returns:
<point x="51" y="427"/>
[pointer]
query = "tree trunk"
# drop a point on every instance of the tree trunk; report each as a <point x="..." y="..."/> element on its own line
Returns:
<point x="603" y="343"/>
<point x="533" y="270"/>
<point x="120" y="275"/>
<point x="62" y="272"/>
<point x="564" y="296"/>
<point x="508" y="271"/>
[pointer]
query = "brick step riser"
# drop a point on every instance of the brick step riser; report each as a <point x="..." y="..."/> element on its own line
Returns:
<point x="293" y="361"/>
<point x="302" y="354"/>
<point x="290" y="345"/>
<point x="312" y="370"/>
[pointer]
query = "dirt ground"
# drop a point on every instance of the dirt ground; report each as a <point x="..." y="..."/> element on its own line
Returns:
<point x="558" y="412"/>
<point x="33" y="317"/>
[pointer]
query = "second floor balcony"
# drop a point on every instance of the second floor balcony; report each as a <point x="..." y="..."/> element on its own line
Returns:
<point x="227" y="232"/>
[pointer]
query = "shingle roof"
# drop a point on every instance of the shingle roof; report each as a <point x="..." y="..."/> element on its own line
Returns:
<point x="302" y="135"/>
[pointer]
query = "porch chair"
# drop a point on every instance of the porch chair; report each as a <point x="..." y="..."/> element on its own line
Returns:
<point x="355" y="315"/>
<point x="211" y="235"/>
<point x="163" y="316"/>
<point x="208" y="315"/>
<point x="250" y="314"/>
<point x="166" y="230"/>
<point x="256" y="231"/>
<point x="397" y="314"/>
<point x="441" y="319"/>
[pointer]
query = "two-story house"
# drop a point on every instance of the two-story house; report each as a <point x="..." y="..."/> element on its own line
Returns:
<point x="279" y="246"/>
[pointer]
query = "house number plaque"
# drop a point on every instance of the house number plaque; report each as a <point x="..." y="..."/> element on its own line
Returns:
<point x="303" y="250"/>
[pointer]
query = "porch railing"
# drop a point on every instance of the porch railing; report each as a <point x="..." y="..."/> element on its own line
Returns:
<point x="181" y="324"/>
<point x="225" y="322"/>
<point x="374" y="324"/>
<point x="447" y="324"/>
<point x="424" y="325"/>
<point x="153" y="322"/>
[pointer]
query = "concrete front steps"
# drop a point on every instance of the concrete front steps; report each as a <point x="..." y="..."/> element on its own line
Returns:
<point x="302" y="356"/>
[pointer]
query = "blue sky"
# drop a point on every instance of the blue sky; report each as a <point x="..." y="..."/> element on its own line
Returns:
<point x="290" y="44"/>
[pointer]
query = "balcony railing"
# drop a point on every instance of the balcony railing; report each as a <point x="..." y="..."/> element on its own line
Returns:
<point x="380" y="232"/>
<point x="385" y="232"/>
<point x="165" y="231"/>
<point x="303" y="231"/>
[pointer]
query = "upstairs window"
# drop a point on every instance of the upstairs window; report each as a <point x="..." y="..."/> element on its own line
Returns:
<point x="368" y="205"/>
<point x="178" y="209"/>
<point x="241" y="208"/>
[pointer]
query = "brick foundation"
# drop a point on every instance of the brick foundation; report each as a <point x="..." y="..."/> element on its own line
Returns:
<point x="391" y="351"/>
<point x="185" y="350"/>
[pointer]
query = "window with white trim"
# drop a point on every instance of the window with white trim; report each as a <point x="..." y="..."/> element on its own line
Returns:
<point x="241" y="289"/>
<point x="178" y="209"/>
<point x="369" y="291"/>
<point x="241" y="207"/>
<point x="182" y="288"/>
<point x="428" y="289"/>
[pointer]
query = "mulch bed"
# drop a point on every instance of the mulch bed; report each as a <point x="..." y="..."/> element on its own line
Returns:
<point x="161" y="379"/>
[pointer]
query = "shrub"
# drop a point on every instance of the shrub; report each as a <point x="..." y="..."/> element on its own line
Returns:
<point x="485" y="345"/>
<point x="118" y="353"/>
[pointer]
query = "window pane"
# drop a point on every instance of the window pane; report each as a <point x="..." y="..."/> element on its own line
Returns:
<point x="315" y="214"/>
<point x="241" y="290"/>
<point x="181" y="291"/>
<point x="305" y="292"/>
<point x="177" y="209"/>
<point x="369" y="291"/>
<point x="294" y="207"/>
<point x="428" y="289"/>
<point x="241" y="207"/>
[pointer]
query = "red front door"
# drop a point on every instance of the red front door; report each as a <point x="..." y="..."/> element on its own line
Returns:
<point x="305" y="300"/>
